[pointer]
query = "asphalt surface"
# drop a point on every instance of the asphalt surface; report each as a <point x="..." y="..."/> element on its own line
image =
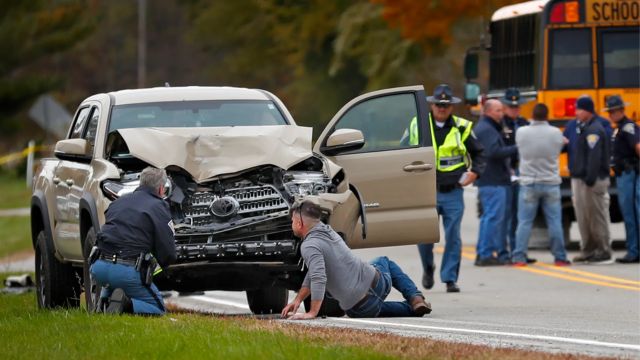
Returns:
<point x="581" y="309"/>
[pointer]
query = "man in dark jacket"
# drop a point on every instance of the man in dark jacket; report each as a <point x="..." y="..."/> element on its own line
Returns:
<point x="137" y="223"/>
<point x="590" y="184"/>
<point x="454" y="142"/>
<point x="511" y="122"/>
<point x="493" y="186"/>
<point x="626" y="163"/>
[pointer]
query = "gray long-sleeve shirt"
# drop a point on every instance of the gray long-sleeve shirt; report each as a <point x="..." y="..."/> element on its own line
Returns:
<point x="334" y="268"/>
<point x="539" y="146"/>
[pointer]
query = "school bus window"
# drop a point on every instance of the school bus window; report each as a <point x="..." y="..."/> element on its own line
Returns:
<point x="570" y="59"/>
<point x="620" y="58"/>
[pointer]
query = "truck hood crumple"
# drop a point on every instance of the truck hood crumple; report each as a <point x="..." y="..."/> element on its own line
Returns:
<point x="208" y="152"/>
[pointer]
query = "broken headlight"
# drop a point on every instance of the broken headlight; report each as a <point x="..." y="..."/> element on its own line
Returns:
<point x="306" y="183"/>
<point x="115" y="189"/>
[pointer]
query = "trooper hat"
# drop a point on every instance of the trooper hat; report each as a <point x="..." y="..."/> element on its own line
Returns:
<point x="512" y="98"/>
<point x="443" y="95"/>
<point x="615" y="102"/>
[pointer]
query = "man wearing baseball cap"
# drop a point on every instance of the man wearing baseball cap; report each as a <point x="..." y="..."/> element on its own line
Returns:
<point x="589" y="167"/>
<point x="626" y="148"/>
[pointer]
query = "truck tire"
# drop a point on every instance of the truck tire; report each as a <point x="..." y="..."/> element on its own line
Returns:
<point x="91" y="288"/>
<point x="330" y="307"/>
<point x="267" y="300"/>
<point x="57" y="283"/>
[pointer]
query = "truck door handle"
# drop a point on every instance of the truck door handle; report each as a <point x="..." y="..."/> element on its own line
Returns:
<point x="417" y="167"/>
<point x="69" y="182"/>
<point x="56" y="180"/>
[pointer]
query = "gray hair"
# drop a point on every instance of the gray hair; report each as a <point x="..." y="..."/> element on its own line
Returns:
<point x="153" y="177"/>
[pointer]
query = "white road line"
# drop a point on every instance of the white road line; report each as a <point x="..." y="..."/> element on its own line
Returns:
<point x="486" y="332"/>
<point x="461" y="330"/>
<point x="221" y="302"/>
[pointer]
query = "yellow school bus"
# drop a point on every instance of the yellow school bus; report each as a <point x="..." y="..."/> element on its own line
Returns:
<point x="555" y="51"/>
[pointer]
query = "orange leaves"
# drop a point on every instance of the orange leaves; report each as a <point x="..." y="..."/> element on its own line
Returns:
<point x="424" y="21"/>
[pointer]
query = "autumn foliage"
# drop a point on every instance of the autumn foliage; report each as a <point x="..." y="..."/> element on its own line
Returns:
<point x="430" y="21"/>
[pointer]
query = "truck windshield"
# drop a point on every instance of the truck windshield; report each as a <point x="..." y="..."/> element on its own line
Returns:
<point x="211" y="113"/>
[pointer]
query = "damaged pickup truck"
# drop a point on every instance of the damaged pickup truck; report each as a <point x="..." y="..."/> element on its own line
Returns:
<point x="236" y="162"/>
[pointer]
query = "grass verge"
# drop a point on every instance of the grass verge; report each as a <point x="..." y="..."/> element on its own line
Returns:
<point x="15" y="235"/>
<point x="73" y="334"/>
<point x="14" y="192"/>
<point x="63" y="334"/>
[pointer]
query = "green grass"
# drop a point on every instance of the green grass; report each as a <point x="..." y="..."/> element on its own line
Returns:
<point x="15" y="235"/>
<point x="73" y="334"/>
<point x="14" y="192"/>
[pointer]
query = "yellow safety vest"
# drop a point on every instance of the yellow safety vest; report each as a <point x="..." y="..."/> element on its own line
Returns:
<point x="452" y="154"/>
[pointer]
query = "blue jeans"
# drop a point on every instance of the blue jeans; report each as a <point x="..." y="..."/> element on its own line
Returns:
<point x="112" y="276"/>
<point x="512" y="214"/>
<point x="531" y="197"/>
<point x="451" y="208"/>
<point x="374" y="305"/>
<point x="629" y="200"/>
<point x="492" y="235"/>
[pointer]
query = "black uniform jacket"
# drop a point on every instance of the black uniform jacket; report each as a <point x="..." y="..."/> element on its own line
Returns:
<point x="509" y="128"/>
<point x="473" y="146"/>
<point x="591" y="153"/>
<point x="625" y="139"/>
<point x="139" y="222"/>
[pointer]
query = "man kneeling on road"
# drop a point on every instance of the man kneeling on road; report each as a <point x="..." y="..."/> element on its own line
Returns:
<point x="137" y="226"/>
<point x="360" y="288"/>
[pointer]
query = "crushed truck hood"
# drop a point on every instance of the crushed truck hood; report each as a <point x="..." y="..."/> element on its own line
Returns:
<point x="209" y="152"/>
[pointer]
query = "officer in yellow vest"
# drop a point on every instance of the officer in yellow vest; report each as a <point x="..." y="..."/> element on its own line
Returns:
<point x="453" y="142"/>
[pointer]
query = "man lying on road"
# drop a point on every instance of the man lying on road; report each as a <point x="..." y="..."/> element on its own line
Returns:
<point x="360" y="288"/>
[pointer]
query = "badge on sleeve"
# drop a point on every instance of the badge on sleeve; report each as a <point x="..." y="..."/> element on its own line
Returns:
<point x="629" y="128"/>
<point x="171" y="227"/>
<point x="592" y="140"/>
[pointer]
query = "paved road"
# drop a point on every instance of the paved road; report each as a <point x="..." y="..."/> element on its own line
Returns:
<point x="581" y="309"/>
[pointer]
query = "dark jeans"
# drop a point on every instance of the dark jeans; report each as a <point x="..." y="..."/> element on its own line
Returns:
<point x="629" y="201"/>
<point x="374" y="305"/>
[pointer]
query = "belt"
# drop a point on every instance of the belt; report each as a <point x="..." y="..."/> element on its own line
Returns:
<point x="114" y="259"/>
<point x="447" y="188"/>
<point x="374" y="282"/>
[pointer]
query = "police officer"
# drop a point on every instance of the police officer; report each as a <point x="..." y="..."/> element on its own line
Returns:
<point x="137" y="223"/>
<point x="590" y="183"/>
<point x="453" y="141"/>
<point x="511" y="122"/>
<point x="626" y="148"/>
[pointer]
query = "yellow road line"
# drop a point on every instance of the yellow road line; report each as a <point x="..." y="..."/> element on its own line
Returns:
<point x="585" y="275"/>
<point x="573" y="278"/>
<point x="589" y="274"/>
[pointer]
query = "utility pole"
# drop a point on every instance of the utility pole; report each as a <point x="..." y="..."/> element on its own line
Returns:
<point x="142" y="43"/>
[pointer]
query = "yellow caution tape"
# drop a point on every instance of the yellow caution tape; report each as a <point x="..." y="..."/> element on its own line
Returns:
<point x="21" y="154"/>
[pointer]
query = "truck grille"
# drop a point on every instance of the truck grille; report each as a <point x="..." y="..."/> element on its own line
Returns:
<point x="252" y="201"/>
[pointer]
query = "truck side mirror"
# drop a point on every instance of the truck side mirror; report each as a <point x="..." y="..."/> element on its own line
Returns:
<point x="343" y="140"/>
<point x="471" y="93"/>
<point x="72" y="149"/>
<point x="471" y="66"/>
